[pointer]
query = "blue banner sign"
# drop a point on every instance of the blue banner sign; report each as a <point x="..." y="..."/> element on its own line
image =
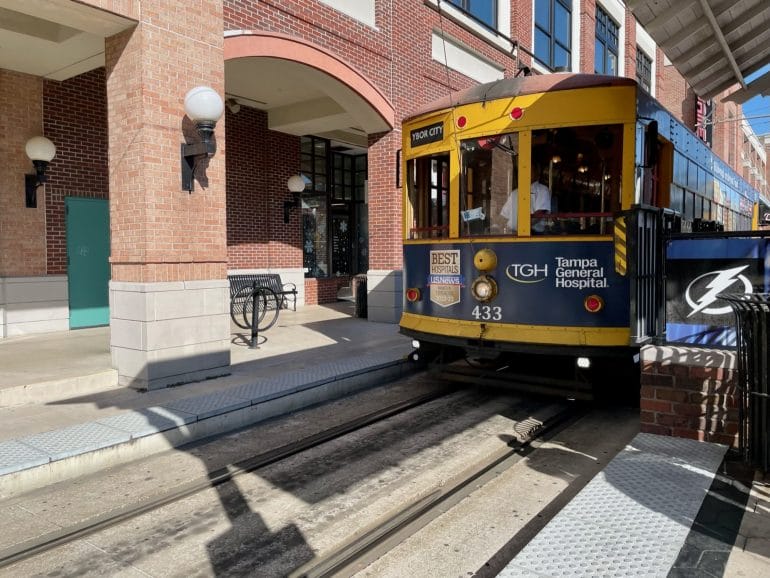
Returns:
<point x="697" y="272"/>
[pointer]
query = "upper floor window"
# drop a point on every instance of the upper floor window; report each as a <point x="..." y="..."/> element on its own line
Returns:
<point x="606" y="44"/>
<point x="484" y="11"/>
<point x="553" y="25"/>
<point x="643" y="70"/>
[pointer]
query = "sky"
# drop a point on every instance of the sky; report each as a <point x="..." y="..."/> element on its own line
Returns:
<point x="757" y="109"/>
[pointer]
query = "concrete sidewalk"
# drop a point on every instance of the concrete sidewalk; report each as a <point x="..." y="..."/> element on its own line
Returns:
<point x="62" y="414"/>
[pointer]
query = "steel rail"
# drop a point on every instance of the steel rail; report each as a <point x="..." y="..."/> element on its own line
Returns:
<point x="395" y="528"/>
<point x="57" y="538"/>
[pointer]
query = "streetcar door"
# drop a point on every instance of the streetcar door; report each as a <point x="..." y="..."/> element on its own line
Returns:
<point x="657" y="168"/>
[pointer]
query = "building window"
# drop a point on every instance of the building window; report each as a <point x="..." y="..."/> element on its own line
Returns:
<point x="334" y="213"/>
<point x="606" y="44"/>
<point x="643" y="70"/>
<point x="485" y="11"/>
<point x="553" y="25"/>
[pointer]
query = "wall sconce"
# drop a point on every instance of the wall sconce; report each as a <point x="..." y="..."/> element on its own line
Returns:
<point x="233" y="105"/>
<point x="40" y="151"/>
<point x="204" y="107"/>
<point x="296" y="185"/>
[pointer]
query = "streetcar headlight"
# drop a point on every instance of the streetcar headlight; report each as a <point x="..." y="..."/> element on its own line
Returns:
<point x="583" y="362"/>
<point x="484" y="288"/>
<point x="485" y="260"/>
<point x="415" y="344"/>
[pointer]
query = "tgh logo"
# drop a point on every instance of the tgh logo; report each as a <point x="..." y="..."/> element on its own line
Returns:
<point x="526" y="272"/>
<point x="702" y="291"/>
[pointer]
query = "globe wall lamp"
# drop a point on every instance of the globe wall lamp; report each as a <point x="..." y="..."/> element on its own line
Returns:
<point x="40" y="151"/>
<point x="296" y="185"/>
<point x="204" y="107"/>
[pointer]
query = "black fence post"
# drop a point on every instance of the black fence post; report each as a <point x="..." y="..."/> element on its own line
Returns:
<point x="254" y="317"/>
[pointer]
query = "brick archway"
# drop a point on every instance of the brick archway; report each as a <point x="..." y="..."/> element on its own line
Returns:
<point x="293" y="49"/>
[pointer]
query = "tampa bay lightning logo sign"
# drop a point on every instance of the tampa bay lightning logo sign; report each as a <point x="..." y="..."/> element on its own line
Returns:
<point x="703" y="291"/>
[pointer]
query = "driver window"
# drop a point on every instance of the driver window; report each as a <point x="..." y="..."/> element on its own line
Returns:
<point x="489" y="174"/>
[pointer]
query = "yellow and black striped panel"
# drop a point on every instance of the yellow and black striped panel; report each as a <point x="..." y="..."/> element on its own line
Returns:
<point x="620" y="238"/>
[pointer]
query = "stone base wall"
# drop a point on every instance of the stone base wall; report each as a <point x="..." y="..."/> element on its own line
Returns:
<point x="690" y="393"/>
<point x="165" y="334"/>
<point x="33" y="305"/>
<point x="384" y="295"/>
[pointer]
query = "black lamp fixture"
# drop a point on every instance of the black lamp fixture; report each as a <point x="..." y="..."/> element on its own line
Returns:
<point x="40" y="151"/>
<point x="296" y="185"/>
<point x="204" y="107"/>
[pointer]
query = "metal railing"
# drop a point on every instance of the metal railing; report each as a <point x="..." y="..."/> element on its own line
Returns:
<point x="752" y="317"/>
<point x="645" y="228"/>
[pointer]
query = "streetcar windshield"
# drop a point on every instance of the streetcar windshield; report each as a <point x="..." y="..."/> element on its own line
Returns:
<point x="575" y="178"/>
<point x="427" y="180"/>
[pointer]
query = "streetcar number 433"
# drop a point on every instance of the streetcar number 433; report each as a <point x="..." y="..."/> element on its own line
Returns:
<point x="487" y="313"/>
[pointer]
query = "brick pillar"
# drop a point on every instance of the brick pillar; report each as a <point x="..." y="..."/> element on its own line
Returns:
<point x="168" y="294"/>
<point x="691" y="393"/>
<point x="384" y="278"/>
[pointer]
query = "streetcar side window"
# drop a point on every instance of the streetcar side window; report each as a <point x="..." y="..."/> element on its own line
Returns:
<point x="489" y="174"/>
<point x="581" y="169"/>
<point x="428" y="186"/>
<point x="574" y="187"/>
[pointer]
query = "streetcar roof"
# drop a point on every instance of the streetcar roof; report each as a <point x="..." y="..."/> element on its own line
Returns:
<point x="510" y="87"/>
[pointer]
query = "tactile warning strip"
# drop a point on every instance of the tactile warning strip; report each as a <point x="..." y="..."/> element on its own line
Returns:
<point x="632" y="519"/>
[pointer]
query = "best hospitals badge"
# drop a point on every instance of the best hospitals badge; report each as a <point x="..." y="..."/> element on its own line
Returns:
<point x="445" y="279"/>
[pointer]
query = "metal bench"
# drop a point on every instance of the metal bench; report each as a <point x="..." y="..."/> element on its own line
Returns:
<point x="275" y="297"/>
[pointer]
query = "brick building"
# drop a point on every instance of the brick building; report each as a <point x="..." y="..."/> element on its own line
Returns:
<point x="312" y="87"/>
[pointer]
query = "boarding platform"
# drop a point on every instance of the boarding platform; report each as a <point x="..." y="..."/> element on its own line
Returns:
<point x="62" y="413"/>
<point x="663" y="506"/>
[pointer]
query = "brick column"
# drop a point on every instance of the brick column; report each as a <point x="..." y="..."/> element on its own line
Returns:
<point x="168" y="294"/>
<point x="384" y="278"/>
<point x="691" y="393"/>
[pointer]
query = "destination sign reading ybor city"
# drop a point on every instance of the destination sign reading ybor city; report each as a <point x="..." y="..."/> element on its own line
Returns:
<point x="427" y="134"/>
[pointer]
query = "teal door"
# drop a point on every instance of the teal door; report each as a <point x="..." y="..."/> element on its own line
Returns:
<point x="88" y="267"/>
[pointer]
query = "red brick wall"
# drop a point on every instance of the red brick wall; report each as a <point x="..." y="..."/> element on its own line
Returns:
<point x="673" y="91"/>
<point x="630" y="46"/>
<point x="259" y="163"/>
<point x="522" y="16"/>
<point x="159" y="232"/>
<point x="682" y="399"/>
<point x="587" y="35"/>
<point x="75" y="119"/>
<point x="320" y="291"/>
<point x="394" y="57"/>
<point x="659" y="74"/>
<point x="22" y="238"/>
